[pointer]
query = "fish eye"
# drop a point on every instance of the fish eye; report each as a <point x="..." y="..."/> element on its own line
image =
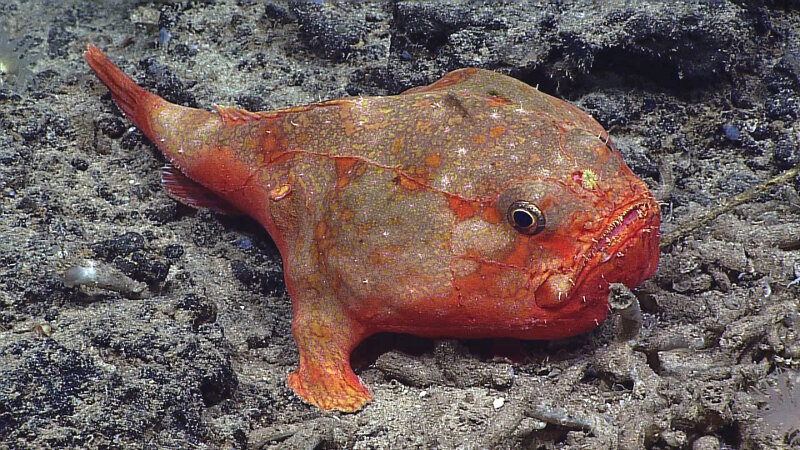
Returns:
<point x="526" y="217"/>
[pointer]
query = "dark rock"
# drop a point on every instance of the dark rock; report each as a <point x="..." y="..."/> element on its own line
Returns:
<point x="786" y="152"/>
<point x="736" y="183"/>
<point x="176" y="373"/>
<point x="258" y="341"/>
<point x="241" y="27"/>
<point x="637" y="158"/>
<point x="185" y="51"/>
<point x="249" y="64"/>
<point x="143" y="191"/>
<point x="790" y="62"/>
<point x="268" y="282"/>
<point x="111" y="126"/>
<point x="202" y="310"/>
<point x="168" y="18"/>
<point x="761" y="132"/>
<point x="332" y="33"/>
<point x="608" y="108"/>
<point x="751" y="146"/>
<point x="252" y="102"/>
<point x="7" y="94"/>
<point x="243" y="273"/>
<point x="133" y="138"/>
<point x="46" y="290"/>
<point x="79" y="164"/>
<point x="43" y="382"/>
<point x="119" y="246"/>
<point x="173" y="251"/>
<point x="278" y="14"/>
<point x="217" y="384"/>
<point x="33" y="129"/>
<point x="429" y="25"/>
<point x="141" y="268"/>
<point x="163" y="214"/>
<point x="741" y="92"/>
<point x="28" y="204"/>
<point x="783" y="105"/>
<point x="166" y="84"/>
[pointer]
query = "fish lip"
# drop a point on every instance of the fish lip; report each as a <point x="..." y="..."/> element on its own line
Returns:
<point x="629" y="222"/>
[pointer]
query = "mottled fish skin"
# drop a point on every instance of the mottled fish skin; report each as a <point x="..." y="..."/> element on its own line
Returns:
<point x="397" y="213"/>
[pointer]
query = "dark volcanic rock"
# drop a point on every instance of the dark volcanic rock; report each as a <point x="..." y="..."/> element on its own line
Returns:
<point x="144" y="373"/>
<point x="332" y="32"/>
<point x="672" y="43"/>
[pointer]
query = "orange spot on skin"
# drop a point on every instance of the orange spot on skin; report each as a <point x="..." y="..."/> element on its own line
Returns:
<point x="270" y="139"/>
<point x="320" y="230"/>
<point x="342" y="182"/>
<point x="343" y="165"/>
<point x="346" y="121"/>
<point x="491" y="215"/>
<point x="398" y="144"/>
<point x="499" y="101"/>
<point x="347" y="214"/>
<point x="423" y="126"/>
<point x="433" y="161"/>
<point x="462" y="208"/>
<point x="497" y="131"/>
<point x="324" y="237"/>
<point x="479" y="139"/>
<point x="408" y="183"/>
<point x="384" y="255"/>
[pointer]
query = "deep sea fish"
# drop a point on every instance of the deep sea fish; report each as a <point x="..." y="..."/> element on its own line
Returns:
<point x="474" y="207"/>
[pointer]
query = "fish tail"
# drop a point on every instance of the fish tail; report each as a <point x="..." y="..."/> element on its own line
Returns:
<point x="201" y="170"/>
<point x="137" y="103"/>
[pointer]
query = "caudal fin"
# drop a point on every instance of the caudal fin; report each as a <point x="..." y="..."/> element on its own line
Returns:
<point x="134" y="101"/>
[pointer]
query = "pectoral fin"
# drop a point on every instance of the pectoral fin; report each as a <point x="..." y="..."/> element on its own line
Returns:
<point x="190" y="193"/>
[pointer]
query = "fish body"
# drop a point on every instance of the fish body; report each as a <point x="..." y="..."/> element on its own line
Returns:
<point x="474" y="207"/>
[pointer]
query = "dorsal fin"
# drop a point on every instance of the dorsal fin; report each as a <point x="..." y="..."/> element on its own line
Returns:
<point x="190" y="193"/>
<point x="230" y="114"/>
<point x="448" y="80"/>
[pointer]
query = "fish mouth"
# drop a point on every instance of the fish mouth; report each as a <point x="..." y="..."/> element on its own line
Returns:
<point x="625" y="252"/>
<point x="633" y="237"/>
<point x="621" y="230"/>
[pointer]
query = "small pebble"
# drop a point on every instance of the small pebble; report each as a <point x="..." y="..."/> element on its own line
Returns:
<point x="731" y="132"/>
<point x="44" y="329"/>
<point x="498" y="402"/>
<point x="163" y="38"/>
<point x="244" y="244"/>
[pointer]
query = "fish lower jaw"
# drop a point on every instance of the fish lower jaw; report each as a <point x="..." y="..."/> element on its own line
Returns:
<point x="627" y="245"/>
